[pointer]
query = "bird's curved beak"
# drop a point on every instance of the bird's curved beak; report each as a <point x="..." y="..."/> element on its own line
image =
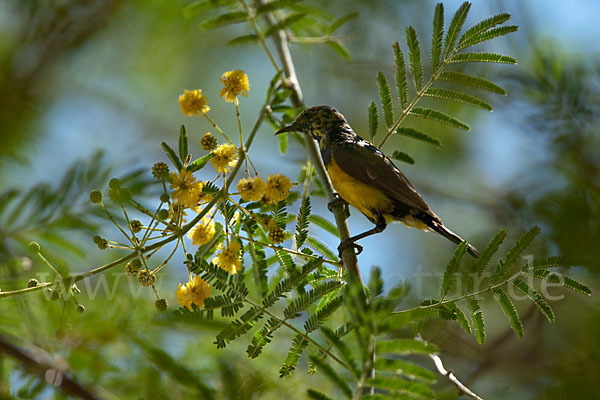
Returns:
<point x="289" y="128"/>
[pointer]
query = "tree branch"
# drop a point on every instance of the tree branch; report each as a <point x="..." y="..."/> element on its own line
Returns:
<point x="449" y="375"/>
<point x="67" y="384"/>
<point x="282" y="43"/>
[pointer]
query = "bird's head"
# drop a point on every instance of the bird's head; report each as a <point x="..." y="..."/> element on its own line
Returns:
<point x="316" y="121"/>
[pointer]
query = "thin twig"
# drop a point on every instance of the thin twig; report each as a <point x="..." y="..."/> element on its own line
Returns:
<point x="450" y="377"/>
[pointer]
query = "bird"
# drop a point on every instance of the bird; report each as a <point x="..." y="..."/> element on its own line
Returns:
<point x="366" y="178"/>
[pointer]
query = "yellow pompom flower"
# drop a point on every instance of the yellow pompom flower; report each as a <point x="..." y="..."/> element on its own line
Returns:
<point x="208" y="142"/>
<point x="251" y="189"/>
<point x="186" y="189"/>
<point x="203" y="232"/>
<point x="236" y="82"/>
<point x="193" y="292"/>
<point x="193" y="102"/>
<point x="225" y="157"/>
<point x="278" y="188"/>
<point x="229" y="257"/>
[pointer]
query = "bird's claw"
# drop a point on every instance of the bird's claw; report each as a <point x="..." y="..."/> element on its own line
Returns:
<point x="338" y="201"/>
<point x="349" y="243"/>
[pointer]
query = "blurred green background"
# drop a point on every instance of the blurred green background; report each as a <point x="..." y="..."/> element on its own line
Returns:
<point x="78" y="77"/>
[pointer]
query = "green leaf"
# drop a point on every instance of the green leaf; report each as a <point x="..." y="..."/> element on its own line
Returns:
<point x="537" y="299"/>
<point x="449" y="278"/>
<point x="373" y="119"/>
<point x="482" y="26"/>
<point x="299" y="344"/>
<point x="263" y="337"/>
<point x="401" y="80"/>
<point x="547" y="262"/>
<point x="488" y="35"/>
<point x="342" y="349"/>
<point x="323" y="312"/>
<point x="245" y="39"/>
<point x="477" y="318"/>
<point x="453" y="95"/>
<point x="482" y="57"/>
<point x="275" y="5"/>
<point x="490" y="250"/>
<point x="398" y="385"/>
<point x="321" y="248"/>
<point x="555" y="277"/>
<point x="439" y="116"/>
<point x="437" y="37"/>
<point x="416" y="134"/>
<point x="386" y="99"/>
<point x="302" y="222"/>
<point x="458" y="20"/>
<point x="405" y="368"/>
<point x="336" y="24"/>
<point x="303" y="301"/>
<point x="325" y="224"/>
<point x="316" y="395"/>
<point x="332" y="374"/>
<point x="462" y="319"/>
<point x="508" y="307"/>
<point x="199" y="163"/>
<point x="414" y="57"/>
<point x="183" y="143"/>
<point x="402" y="156"/>
<point x="234" y="17"/>
<point x="283" y="142"/>
<point x="339" y="48"/>
<point x="511" y="257"/>
<point x="473" y="81"/>
<point x="172" y="156"/>
<point x="405" y="346"/>
<point x="284" y="23"/>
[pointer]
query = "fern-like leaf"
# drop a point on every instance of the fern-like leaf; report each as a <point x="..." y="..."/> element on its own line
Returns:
<point x="325" y="224"/>
<point x="183" y="143"/>
<point x="172" y="156"/>
<point x="437" y="37"/>
<point x="401" y="80"/>
<point x="302" y="222"/>
<point x="373" y="119"/>
<point x="509" y="309"/>
<point x="299" y="344"/>
<point x="414" y="57"/>
<point x="275" y="5"/>
<point x="511" y="257"/>
<point x="555" y="277"/>
<point x="307" y="298"/>
<point x="449" y="278"/>
<point x="332" y="374"/>
<point x="234" y="17"/>
<point x="315" y="320"/>
<point x="283" y="142"/>
<point x="411" y="389"/>
<point x="473" y="81"/>
<point x="336" y="24"/>
<point x="439" y="116"/>
<point x="490" y="250"/>
<point x="284" y="23"/>
<point x="481" y="27"/>
<point x="482" y="57"/>
<point x="488" y="35"/>
<point x="316" y="395"/>
<point x="405" y="368"/>
<point x="386" y="99"/>
<point x="199" y="163"/>
<point x="416" y="134"/>
<point x="462" y="319"/>
<point x="453" y="95"/>
<point x="402" y="156"/>
<point x="477" y="318"/>
<point x="244" y="39"/>
<point x="537" y="299"/>
<point x="321" y="248"/>
<point x="458" y="20"/>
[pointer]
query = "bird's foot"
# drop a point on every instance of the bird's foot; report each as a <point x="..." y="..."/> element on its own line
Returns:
<point x="338" y="201"/>
<point x="349" y="243"/>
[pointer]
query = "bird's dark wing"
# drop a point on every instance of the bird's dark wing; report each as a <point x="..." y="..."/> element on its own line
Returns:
<point x="366" y="163"/>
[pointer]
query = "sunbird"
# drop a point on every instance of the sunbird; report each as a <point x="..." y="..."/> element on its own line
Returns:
<point x="366" y="179"/>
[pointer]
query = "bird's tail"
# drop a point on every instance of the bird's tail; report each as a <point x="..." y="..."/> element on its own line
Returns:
<point x="448" y="234"/>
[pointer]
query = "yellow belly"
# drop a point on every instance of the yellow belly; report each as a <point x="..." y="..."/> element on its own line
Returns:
<point x="365" y="198"/>
<point x="359" y="195"/>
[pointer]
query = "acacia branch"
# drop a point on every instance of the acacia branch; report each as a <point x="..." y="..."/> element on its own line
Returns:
<point x="282" y="44"/>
